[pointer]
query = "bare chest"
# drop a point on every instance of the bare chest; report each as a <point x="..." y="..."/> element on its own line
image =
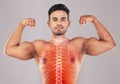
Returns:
<point x="62" y="62"/>
<point x="59" y="54"/>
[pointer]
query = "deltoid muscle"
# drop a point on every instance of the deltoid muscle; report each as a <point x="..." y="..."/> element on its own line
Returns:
<point x="58" y="65"/>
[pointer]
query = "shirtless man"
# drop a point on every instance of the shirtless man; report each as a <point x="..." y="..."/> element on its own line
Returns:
<point x="59" y="60"/>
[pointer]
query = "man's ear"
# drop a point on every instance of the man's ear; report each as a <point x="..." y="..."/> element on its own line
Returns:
<point x="69" y="22"/>
<point x="48" y="22"/>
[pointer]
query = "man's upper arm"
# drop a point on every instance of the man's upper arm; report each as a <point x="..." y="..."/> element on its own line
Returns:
<point x="94" y="47"/>
<point x="23" y="51"/>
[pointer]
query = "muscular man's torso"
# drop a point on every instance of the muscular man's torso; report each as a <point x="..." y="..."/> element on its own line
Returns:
<point x="59" y="64"/>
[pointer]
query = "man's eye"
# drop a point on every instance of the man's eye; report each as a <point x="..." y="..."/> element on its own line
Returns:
<point x="54" y="19"/>
<point x="63" y="19"/>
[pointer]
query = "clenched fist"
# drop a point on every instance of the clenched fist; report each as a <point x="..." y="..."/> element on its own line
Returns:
<point x="86" y="19"/>
<point x="28" y="22"/>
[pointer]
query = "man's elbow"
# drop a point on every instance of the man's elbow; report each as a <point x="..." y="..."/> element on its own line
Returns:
<point x="112" y="45"/>
<point x="7" y="52"/>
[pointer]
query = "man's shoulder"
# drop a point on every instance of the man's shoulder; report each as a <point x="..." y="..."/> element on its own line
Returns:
<point x="78" y="39"/>
<point x="39" y="42"/>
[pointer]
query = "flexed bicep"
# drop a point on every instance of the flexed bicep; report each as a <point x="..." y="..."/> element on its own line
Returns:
<point x="14" y="47"/>
<point x="23" y="51"/>
<point x="95" y="47"/>
<point x="105" y="41"/>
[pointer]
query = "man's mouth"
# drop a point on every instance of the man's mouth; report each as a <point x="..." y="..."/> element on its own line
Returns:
<point x="60" y="27"/>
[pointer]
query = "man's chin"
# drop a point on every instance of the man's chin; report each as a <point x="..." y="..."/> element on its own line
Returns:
<point x="59" y="34"/>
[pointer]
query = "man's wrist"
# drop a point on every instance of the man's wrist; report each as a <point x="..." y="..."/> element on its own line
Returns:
<point x="95" y="20"/>
<point x="21" y="25"/>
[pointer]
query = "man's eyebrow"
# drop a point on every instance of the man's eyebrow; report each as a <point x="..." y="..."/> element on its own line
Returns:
<point x="54" y="18"/>
<point x="64" y="18"/>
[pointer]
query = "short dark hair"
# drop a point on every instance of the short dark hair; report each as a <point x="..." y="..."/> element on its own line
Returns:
<point x="58" y="7"/>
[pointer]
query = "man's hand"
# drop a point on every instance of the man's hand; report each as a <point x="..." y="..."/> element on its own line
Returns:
<point x="86" y="19"/>
<point x="28" y="22"/>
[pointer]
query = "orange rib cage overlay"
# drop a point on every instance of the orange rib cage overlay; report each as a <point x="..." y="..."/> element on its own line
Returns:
<point x="59" y="64"/>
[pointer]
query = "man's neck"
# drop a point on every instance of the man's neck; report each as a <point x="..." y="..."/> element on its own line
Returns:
<point x="57" y="40"/>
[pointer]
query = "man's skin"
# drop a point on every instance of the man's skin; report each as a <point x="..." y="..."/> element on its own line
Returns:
<point x="59" y="59"/>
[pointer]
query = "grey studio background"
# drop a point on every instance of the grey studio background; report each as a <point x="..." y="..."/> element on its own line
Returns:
<point x="104" y="69"/>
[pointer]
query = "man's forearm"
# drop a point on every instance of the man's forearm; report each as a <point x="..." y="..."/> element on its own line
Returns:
<point x="16" y="36"/>
<point x="103" y="33"/>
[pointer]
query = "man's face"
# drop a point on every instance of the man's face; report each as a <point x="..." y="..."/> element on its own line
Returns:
<point x="59" y="22"/>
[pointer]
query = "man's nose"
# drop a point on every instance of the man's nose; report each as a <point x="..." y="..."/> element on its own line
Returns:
<point x="59" y="22"/>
